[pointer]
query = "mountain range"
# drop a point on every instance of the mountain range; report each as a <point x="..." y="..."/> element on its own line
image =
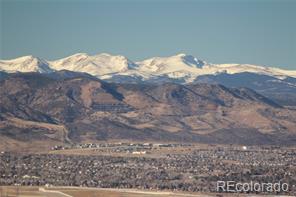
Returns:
<point x="39" y="110"/>
<point x="181" y="67"/>
<point x="274" y="83"/>
<point x="82" y="98"/>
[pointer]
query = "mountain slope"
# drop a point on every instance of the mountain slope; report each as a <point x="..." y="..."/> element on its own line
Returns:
<point x="25" y="64"/>
<point x="281" y="90"/>
<point x="38" y="107"/>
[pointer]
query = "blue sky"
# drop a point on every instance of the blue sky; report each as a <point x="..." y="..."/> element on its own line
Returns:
<point x="219" y="31"/>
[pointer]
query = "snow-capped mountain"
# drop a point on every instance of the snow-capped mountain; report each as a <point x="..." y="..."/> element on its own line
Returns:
<point x="179" y="68"/>
<point x="97" y="65"/>
<point x="25" y="64"/>
<point x="161" y="65"/>
<point x="240" y="68"/>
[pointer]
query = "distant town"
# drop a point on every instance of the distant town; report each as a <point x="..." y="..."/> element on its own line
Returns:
<point x="150" y="166"/>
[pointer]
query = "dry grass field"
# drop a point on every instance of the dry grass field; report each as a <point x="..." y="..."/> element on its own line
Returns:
<point x="10" y="191"/>
<point x="24" y="191"/>
<point x="21" y="191"/>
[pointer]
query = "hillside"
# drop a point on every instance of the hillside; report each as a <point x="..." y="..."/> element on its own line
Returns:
<point x="75" y="108"/>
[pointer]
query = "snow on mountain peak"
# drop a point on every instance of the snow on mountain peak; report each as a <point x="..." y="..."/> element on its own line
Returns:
<point x="100" y="64"/>
<point x="181" y="67"/>
<point x="25" y="64"/>
<point x="239" y="68"/>
<point x="179" y="62"/>
<point x="79" y="55"/>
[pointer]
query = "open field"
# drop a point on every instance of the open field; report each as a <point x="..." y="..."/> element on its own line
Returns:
<point x="126" y="149"/>
<point x="21" y="191"/>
